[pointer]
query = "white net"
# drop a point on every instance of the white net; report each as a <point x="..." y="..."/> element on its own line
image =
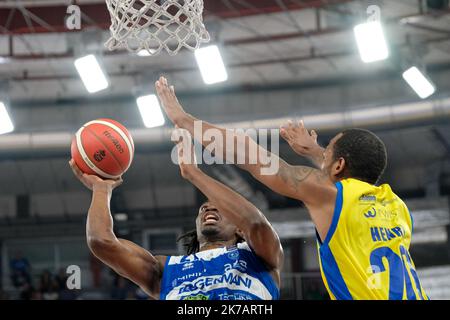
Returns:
<point x="156" y="25"/>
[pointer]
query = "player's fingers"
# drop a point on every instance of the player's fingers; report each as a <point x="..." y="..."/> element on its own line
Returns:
<point x="185" y="135"/>
<point x="285" y="134"/>
<point x="180" y="152"/>
<point x="301" y="125"/>
<point x="290" y="125"/>
<point x="177" y="133"/>
<point x="158" y="86"/>
<point x="314" y="135"/>
<point x="118" y="182"/>
<point x="161" y="85"/>
<point x="75" y="169"/>
<point x="163" y="91"/>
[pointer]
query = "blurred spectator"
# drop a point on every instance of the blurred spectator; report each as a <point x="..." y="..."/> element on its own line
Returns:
<point x="27" y="292"/>
<point x="20" y="270"/>
<point x="120" y="289"/>
<point x="3" y="295"/>
<point x="61" y="279"/>
<point x="48" y="286"/>
<point x="67" y="294"/>
<point x="314" y="290"/>
<point x="96" y="271"/>
<point x="64" y="292"/>
<point x="139" y="294"/>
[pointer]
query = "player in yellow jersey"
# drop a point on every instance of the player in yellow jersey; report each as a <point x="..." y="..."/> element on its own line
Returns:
<point x="363" y="230"/>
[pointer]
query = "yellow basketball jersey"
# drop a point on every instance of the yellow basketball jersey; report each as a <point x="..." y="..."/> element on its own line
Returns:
<point x="365" y="253"/>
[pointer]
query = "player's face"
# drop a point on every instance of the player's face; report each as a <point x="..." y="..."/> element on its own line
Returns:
<point x="211" y="224"/>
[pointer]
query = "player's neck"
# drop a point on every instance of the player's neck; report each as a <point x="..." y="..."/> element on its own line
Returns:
<point x="209" y="245"/>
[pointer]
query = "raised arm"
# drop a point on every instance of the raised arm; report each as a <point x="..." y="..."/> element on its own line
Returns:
<point x="124" y="257"/>
<point x="258" y="232"/>
<point x="299" y="182"/>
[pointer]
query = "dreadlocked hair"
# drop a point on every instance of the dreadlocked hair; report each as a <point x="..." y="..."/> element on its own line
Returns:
<point x="190" y="241"/>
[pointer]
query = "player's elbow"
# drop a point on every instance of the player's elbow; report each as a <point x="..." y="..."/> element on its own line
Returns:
<point x="100" y="245"/>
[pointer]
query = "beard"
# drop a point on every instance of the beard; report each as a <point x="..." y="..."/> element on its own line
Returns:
<point x="210" y="232"/>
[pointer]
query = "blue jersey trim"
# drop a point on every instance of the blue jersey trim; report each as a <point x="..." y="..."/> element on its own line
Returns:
<point x="412" y="220"/>
<point x="269" y="280"/>
<point x="336" y="214"/>
<point x="165" y="276"/>
<point x="334" y="277"/>
<point x="330" y="267"/>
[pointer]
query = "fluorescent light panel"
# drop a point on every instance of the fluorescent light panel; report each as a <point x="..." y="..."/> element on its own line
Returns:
<point x="371" y="41"/>
<point x="6" y="124"/>
<point x="418" y="82"/>
<point x="150" y="111"/>
<point x="211" y="64"/>
<point x="91" y="73"/>
<point x="145" y="52"/>
<point x="121" y="217"/>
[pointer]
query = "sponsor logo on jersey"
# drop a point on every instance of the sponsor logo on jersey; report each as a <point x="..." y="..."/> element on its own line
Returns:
<point x="367" y="198"/>
<point x="204" y="282"/>
<point x="371" y="213"/>
<point x="190" y="258"/>
<point x="196" y="297"/>
<point x="239" y="265"/>
<point x="187" y="266"/>
<point x="235" y="296"/>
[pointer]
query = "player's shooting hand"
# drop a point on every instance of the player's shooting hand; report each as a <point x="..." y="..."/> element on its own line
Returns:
<point x="301" y="141"/>
<point x="186" y="154"/>
<point x="169" y="100"/>
<point x="92" y="182"/>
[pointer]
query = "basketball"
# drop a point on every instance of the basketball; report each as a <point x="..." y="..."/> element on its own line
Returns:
<point x="103" y="147"/>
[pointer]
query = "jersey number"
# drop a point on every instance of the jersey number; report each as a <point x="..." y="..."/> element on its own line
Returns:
<point x="398" y="273"/>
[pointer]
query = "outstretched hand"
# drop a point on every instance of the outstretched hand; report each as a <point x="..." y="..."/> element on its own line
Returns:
<point x="93" y="182"/>
<point x="169" y="100"/>
<point x="301" y="141"/>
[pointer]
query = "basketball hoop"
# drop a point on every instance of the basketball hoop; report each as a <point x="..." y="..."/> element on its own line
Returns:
<point x="156" y="25"/>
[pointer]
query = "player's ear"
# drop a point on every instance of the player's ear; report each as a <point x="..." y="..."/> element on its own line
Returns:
<point x="339" y="167"/>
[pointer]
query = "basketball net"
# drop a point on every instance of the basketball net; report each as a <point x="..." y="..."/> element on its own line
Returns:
<point x="156" y="25"/>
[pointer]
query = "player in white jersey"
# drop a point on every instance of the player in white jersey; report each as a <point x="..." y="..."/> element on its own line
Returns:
<point x="239" y="255"/>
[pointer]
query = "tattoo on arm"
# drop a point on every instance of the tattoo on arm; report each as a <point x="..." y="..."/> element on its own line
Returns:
<point x="294" y="176"/>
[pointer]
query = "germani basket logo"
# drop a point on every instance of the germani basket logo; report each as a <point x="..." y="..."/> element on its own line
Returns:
<point x="371" y="213"/>
<point x="99" y="155"/>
